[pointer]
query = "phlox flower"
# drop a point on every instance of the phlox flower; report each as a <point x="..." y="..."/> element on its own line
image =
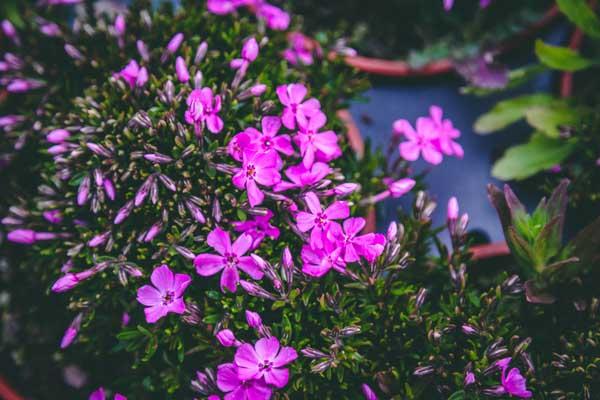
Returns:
<point x="315" y="145"/>
<point x="420" y="141"/>
<point x="99" y="394"/>
<point x="166" y="294"/>
<point x="370" y="246"/>
<point x="257" y="168"/>
<point x="254" y="141"/>
<point x="274" y="17"/>
<point x="301" y="177"/>
<point x="258" y="227"/>
<point x="133" y="74"/>
<point x="239" y="389"/>
<point x="446" y="133"/>
<point x="265" y="359"/>
<point x="300" y="50"/>
<point x="292" y="98"/>
<point x="318" y="220"/>
<point x="229" y="259"/>
<point x="513" y="383"/>
<point x="318" y="261"/>
<point x="204" y="108"/>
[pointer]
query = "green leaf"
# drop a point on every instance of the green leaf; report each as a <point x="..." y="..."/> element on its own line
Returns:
<point x="549" y="120"/>
<point x="539" y="154"/>
<point x="510" y="111"/>
<point x="460" y="395"/>
<point x="582" y="15"/>
<point x="561" y="58"/>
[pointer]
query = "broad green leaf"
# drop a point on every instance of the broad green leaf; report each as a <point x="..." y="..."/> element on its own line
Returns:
<point x="539" y="154"/>
<point x="508" y="112"/>
<point x="549" y="120"/>
<point x="582" y="15"/>
<point x="561" y="58"/>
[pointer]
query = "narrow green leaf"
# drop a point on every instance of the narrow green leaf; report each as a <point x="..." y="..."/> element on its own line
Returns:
<point x="582" y="15"/>
<point x="539" y="154"/>
<point x="550" y="120"/>
<point x="561" y="58"/>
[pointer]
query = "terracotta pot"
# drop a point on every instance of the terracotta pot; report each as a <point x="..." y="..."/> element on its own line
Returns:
<point x="379" y="66"/>
<point x="7" y="392"/>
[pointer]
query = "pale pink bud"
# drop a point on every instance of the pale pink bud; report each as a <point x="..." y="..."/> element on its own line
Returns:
<point x="346" y="188"/>
<point x="174" y="43"/>
<point x="142" y="77"/>
<point x="287" y="259"/>
<point x="181" y="70"/>
<point x="58" y="149"/>
<point x="109" y="188"/>
<point x="22" y="236"/>
<point x="152" y="232"/>
<point x="98" y="239"/>
<point x="226" y="338"/>
<point x="253" y="319"/>
<point x="392" y="231"/>
<point x="125" y="318"/>
<point x="8" y="29"/>
<point x="123" y="213"/>
<point x="52" y="216"/>
<point x="58" y="136"/>
<point x="65" y="283"/>
<point x="258" y="89"/>
<point x="401" y="187"/>
<point x="368" y="392"/>
<point x="453" y="209"/>
<point x="83" y="191"/>
<point x="143" y="50"/>
<point x="68" y="337"/>
<point x="469" y="378"/>
<point x="250" y="50"/>
<point x="8" y="121"/>
<point x="200" y="52"/>
<point x="120" y="25"/>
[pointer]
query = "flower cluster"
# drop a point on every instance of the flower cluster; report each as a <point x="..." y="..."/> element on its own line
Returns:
<point x="433" y="138"/>
<point x="274" y="17"/>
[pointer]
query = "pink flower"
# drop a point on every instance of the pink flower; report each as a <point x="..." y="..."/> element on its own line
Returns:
<point x="370" y="246"/>
<point x="239" y="389"/>
<point x="265" y="360"/>
<point x="274" y="17"/>
<point x="292" y="96"/>
<point x="99" y="394"/>
<point x="257" y="168"/>
<point x="300" y="50"/>
<point x="319" y="220"/>
<point x="165" y="296"/>
<point x="204" y="108"/>
<point x="181" y="70"/>
<point x="301" y="177"/>
<point x="316" y="262"/>
<point x="469" y="378"/>
<point x="134" y="75"/>
<point x="514" y="383"/>
<point x="420" y="142"/>
<point x="446" y="133"/>
<point x="265" y="141"/>
<point x="222" y="7"/>
<point x="258" y="227"/>
<point x="315" y="145"/>
<point x="230" y="259"/>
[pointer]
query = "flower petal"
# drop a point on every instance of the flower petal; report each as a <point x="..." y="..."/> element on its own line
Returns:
<point x="229" y="279"/>
<point x="219" y="240"/>
<point x="249" y="266"/>
<point x="267" y="349"/>
<point x="246" y="361"/>
<point x="149" y="296"/>
<point x="208" y="264"/>
<point x="162" y="278"/>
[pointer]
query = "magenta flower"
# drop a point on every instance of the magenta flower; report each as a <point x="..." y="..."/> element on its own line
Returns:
<point x="204" y="108"/>
<point x="300" y="50"/>
<point x="469" y="378"/>
<point x="230" y="259"/>
<point x="99" y="394"/>
<point x="241" y="142"/>
<point x="268" y="140"/>
<point x="301" y="177"/>
<point x="257" y="168"/>
<point x="319" y="220"/>
<point x="352" y="246"/>
<point x="134" y="75"/>
<point x="239" y="389"/>
<point x="265" y="360"/>
<point x="446" y="133"/>
<point x="165" y="296"/>
<point x="514" y="383"/>
<point x="274" y="17"/>
<point x="315" y="145"/>
<point x="291" y="97"/>
<point x="258" y="227"/>
<point x="420" y="142"/>
<point x="222" y="7"/>
<point x="317" y="262"/>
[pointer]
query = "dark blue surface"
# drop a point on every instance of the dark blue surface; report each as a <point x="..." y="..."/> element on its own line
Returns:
<point x="467" y="178"/>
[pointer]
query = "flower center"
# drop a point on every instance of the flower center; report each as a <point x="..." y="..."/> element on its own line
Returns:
<point x="321" y="220"/>
<point x="168" y="298"/>
<point x="267" y="143"/>
<point x="265" y="365"/>
<point x="250" y="171"/>
<point x="231" y="259"/>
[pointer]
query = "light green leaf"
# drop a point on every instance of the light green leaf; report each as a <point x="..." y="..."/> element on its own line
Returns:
<point x="582" y="15"/>
<point x="549" y="120"/>
<point x="508" y="112"/>
<point x="539" y="154"/>
<point x="561" y="58"/>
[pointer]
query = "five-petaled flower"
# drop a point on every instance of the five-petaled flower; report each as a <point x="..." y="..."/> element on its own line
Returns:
<point x="230" y="258"/>
<point x="257" y="168"/>
<point x="240" y="389"/>
<point x="315" y="145"/>
<point x="292" y="98"/>
<point x="318" y="220"/>
<point x="266" y="359"/>
<point x="166" y="296"/>
<point x="204" y="108"/>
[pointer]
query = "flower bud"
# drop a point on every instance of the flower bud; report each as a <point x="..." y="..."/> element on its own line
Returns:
<point x="250" y="50"/>
<point x="401" y="187"/>
<point x="253" y="319"/>
<point x="120" y="25"/>
<point x="469" y="378"/>
<point x="200" y="52"/>
<point x="58" y="136"/>
<point x="226" y="338"/>
<point x="181" y="70"/>
<point x="452" y="209"/>
<point x="368" y="392"/>
<point x="143" y="50"/>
